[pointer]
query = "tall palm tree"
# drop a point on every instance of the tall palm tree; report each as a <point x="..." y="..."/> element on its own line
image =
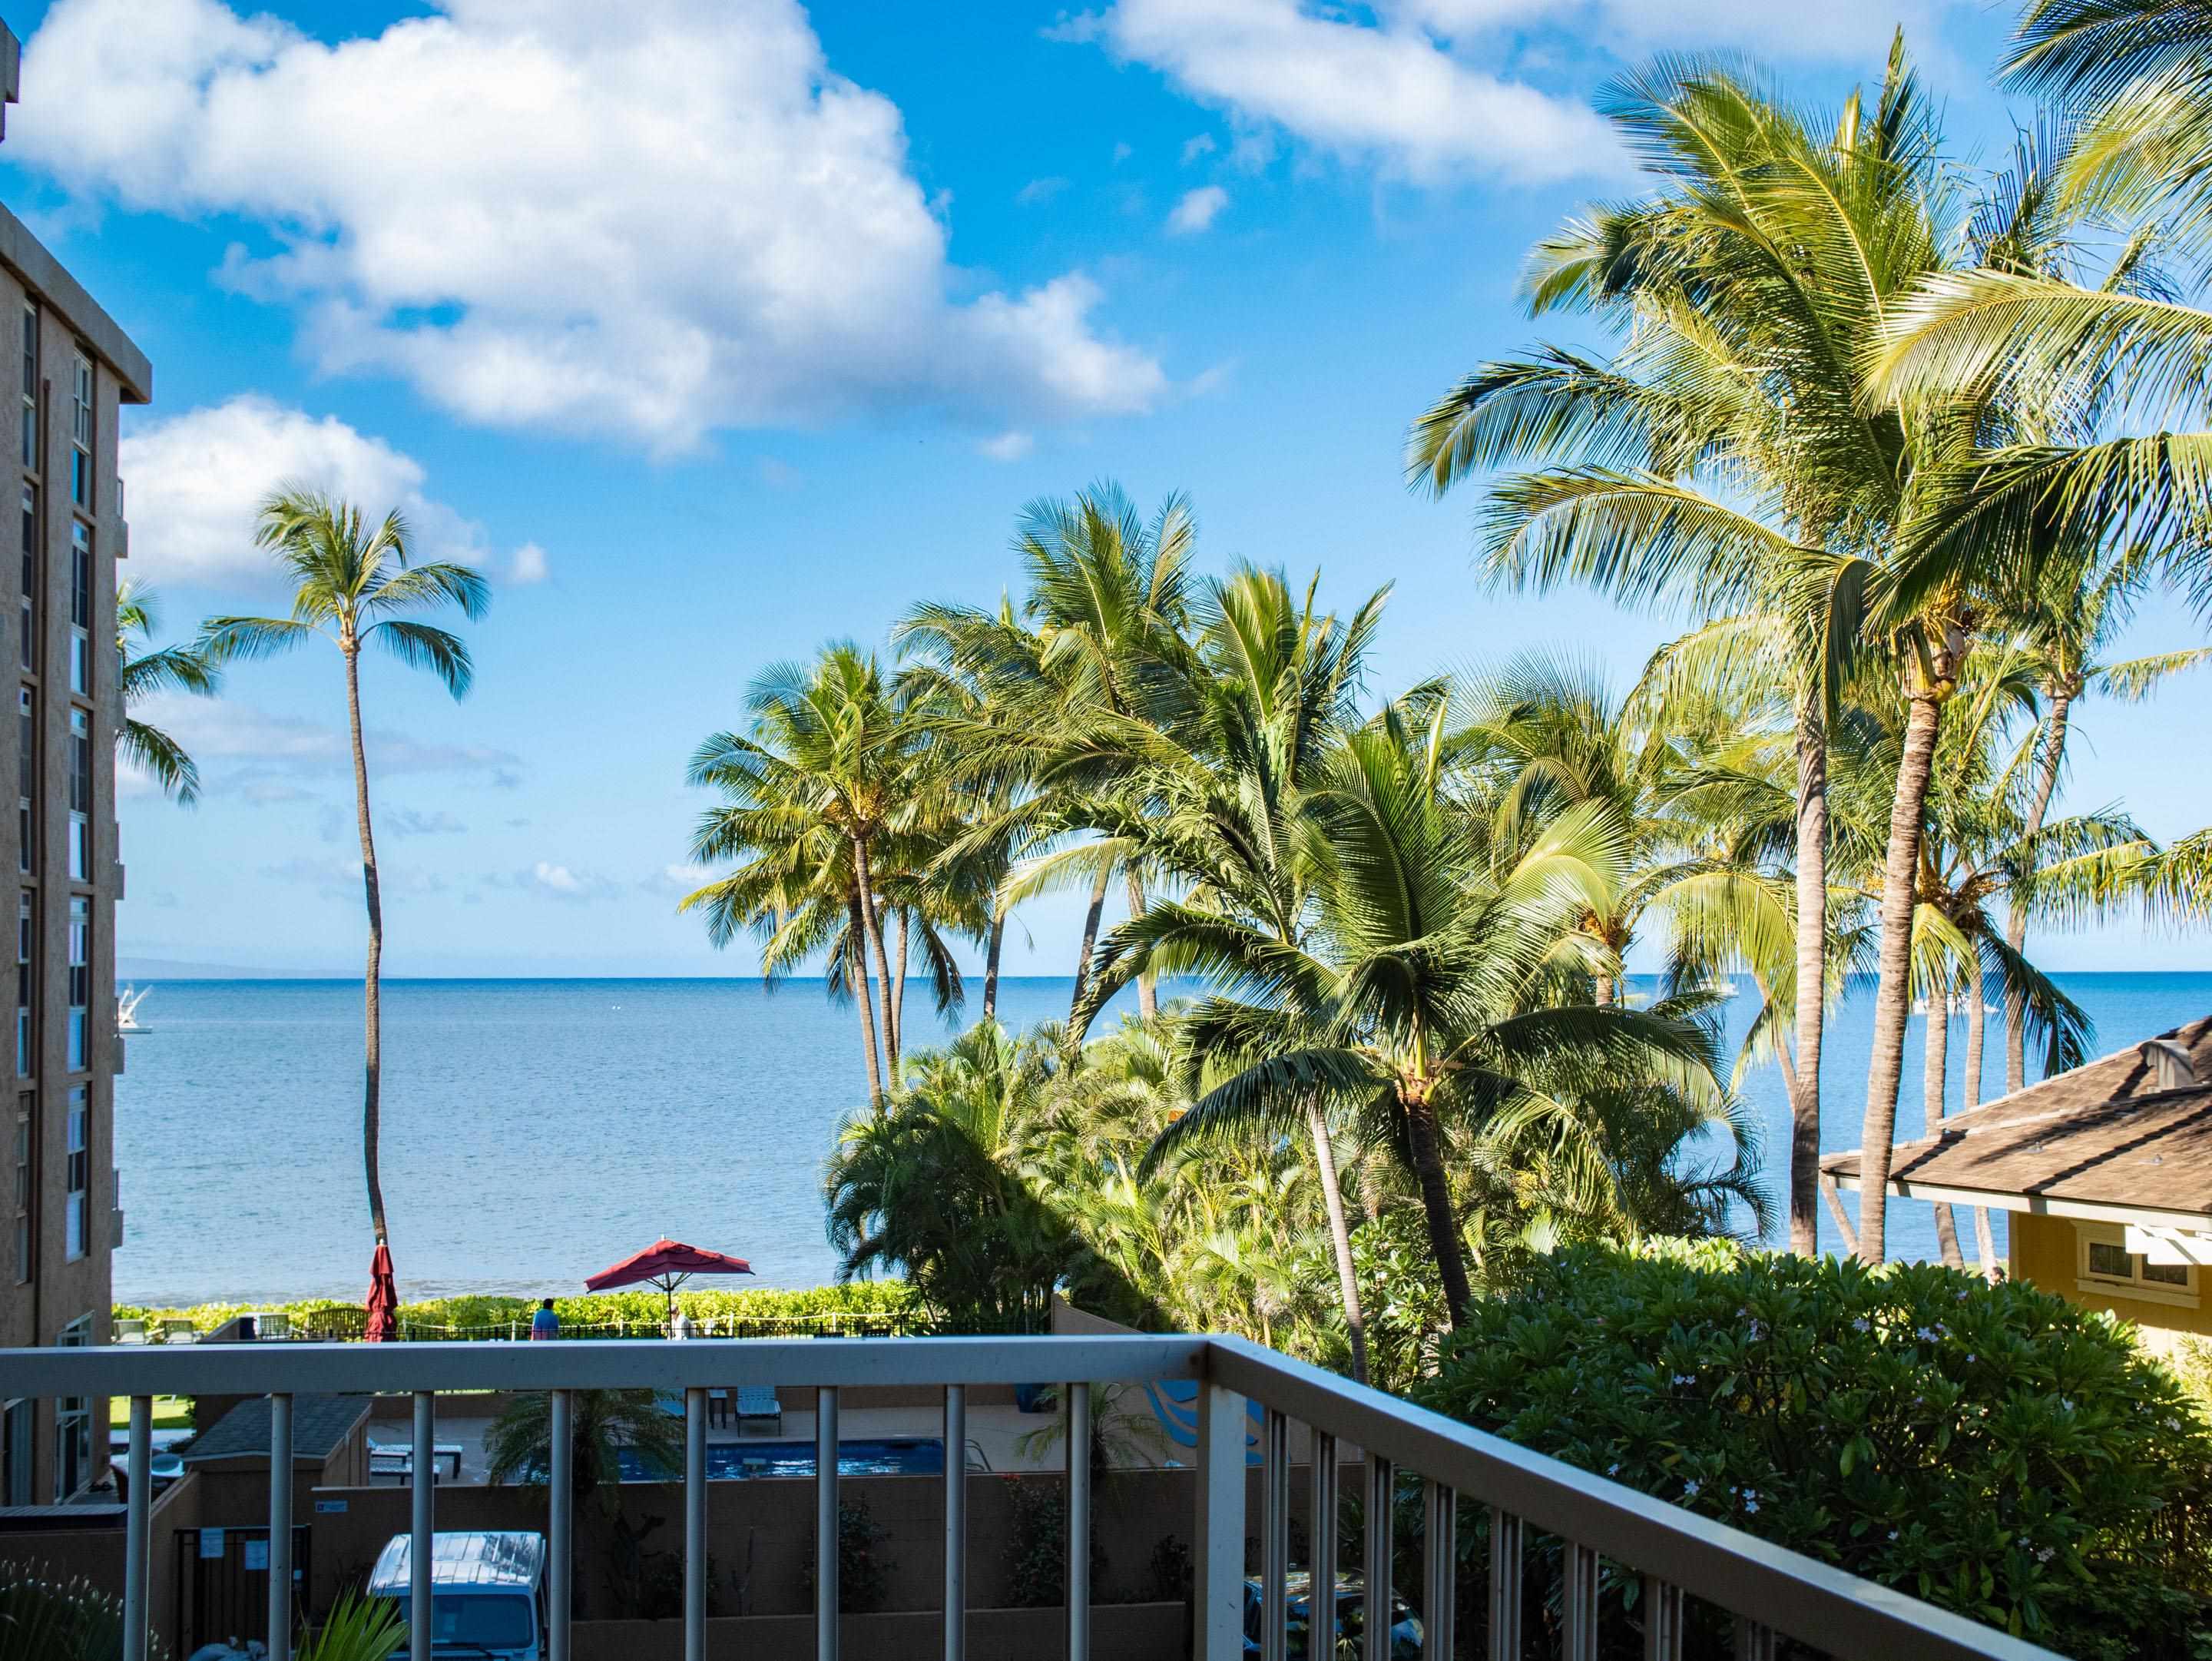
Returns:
<point x="1723" y="456"/>
<point x="1083" y="686"/>
<point x="825" y="806"/>
<point x="1278" y="686"/>
<point x="354" y="586"/>
<point x="161" y="669"/>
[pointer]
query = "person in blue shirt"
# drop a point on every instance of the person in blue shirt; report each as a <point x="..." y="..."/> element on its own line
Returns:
<point x="546" y="1324"/>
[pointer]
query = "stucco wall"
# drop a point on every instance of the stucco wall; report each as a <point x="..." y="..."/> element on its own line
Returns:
<point x="2044" y="1253"/>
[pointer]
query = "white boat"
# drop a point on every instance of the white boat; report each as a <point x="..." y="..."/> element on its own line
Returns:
<point x="1957" y="1004"/>
<point x="1721" y="986"/>
<point x="126" y="1012"/>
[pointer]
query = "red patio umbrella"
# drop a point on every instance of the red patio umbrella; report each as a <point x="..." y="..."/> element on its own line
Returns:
<point x="667" y="1264"/>
<point x="383" y="1299"/>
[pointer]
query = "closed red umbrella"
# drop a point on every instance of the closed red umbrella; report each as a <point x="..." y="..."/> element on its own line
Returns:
<point x="666" y="1265"/>
<point x="383" y="1299"/>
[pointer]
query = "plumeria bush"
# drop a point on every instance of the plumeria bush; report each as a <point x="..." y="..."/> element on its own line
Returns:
<point x="1994" y="1450"/>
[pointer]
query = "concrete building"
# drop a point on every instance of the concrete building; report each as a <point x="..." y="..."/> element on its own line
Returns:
<point x="60" y="1211"/>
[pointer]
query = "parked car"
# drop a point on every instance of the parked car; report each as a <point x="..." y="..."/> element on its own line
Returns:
<point x="487" y="1598"/>
<point x="1351" y="1619"/>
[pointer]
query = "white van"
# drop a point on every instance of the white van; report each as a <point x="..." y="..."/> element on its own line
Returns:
<point x="488" y="1594"/>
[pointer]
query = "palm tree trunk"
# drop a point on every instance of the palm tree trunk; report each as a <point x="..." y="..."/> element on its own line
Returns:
<point x="1935" y="1089"/>
<point x="1893" y="998"/>
<point x="872" y="922"/>
<point x="856" y="977"/>
<point x="1426" y="1139"/>
<point x="1089" y="934"/>
<point x="991" y="961"/>
<point x="2054" y="756"/>
<point x="372" y="1070"/>
<point x="1148" y="995"/>
<point x="1602" y="990"/>
<point x="895" y="1017"/>
<point x="1812" y="976"/>
<point x="1340" y="1236"/>
<point x="1978" y="1022"/>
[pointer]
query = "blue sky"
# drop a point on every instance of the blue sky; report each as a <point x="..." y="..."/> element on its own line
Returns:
<point x="713" y="330"/>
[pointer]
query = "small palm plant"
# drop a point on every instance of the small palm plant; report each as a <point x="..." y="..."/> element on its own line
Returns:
<point x="359" y="1629"/>
<point x="352" y="586"/>
<point x="45" y="1617"/>
<point x="167" y="669"/>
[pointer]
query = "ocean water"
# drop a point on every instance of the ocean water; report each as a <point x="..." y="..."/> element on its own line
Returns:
<point x="537" y="1130"/>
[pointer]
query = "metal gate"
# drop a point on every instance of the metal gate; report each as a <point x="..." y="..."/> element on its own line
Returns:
<point x="222" y="1583"/>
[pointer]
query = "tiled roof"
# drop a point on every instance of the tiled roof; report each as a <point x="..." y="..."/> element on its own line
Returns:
<point x="2105" y="1133"/>
<point x="320" y="1425"/>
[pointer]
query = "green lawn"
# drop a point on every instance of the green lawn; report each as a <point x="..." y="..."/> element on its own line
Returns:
<point x="170" y="1412"/>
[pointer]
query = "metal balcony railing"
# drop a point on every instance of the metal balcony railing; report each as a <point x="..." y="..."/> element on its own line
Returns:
<point x="1769" y="1590"/>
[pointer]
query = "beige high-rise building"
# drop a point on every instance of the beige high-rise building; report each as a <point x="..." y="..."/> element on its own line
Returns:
<point x="60" y="1212"/>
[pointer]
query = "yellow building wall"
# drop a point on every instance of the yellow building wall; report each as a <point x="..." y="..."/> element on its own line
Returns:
<point x="2046" y="1253"/>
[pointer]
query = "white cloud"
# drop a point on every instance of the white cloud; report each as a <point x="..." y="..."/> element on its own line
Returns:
<point x="551" y="880"/>
<point x="197" y="480"/>
<point x="1389" y="91"/>
<point x="653" y="220"/>
<point x="1437" y="90"/>
<point x="1007" y="447"/>
<point x="1040" y="191"/>
<point x="1202" y="144"/>
<point x="528" y="565"/>
<point x="1198" y="210"/>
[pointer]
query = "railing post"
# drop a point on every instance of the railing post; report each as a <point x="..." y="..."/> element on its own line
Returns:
<point x="826" y="1531"/>
<point x="280" y="1528"/>
<point x="1218" y="1552"/>
<point x="1662" y="1619"/>
<point x="1321" y="1595"/>
<point x="1375" y="1606"/>
<point x="1753" y="1642"/>
<point x="1275" y="1538"/>
<point x="1440" y="1584"/>
<point x="560" y="1483"/>
<point x="1077" y="1392"/>
<point x="138" y="1527"/>
<point x="1578" y="1601"/>
<point x="695" y="1524"/>
<point x="955" y="1522"/>
<point x="1505" y="1585"/>
<point x="421" y="1542"/>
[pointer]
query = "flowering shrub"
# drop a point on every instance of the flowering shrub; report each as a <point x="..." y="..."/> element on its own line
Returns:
<point x="1994" y="1450"/>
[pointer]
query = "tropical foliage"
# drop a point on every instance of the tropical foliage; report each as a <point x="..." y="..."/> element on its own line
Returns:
<point x="147" y="672"/>
<point x="1995" y="1450"/>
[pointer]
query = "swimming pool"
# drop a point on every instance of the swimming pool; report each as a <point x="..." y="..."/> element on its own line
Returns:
<point x="898" y="1456"/>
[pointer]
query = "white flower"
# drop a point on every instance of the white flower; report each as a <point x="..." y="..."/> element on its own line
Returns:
<point x="1690" y="1488"/>
<point x="1863" y="1324"/>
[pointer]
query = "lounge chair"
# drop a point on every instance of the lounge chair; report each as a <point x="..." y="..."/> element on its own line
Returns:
<point x="759" y="1401"/>
<point x="175" y="1330"/>
<point x="130" y="1330"/>
<point x="1175" y="1404"/>
<point x="398" y="1459"/>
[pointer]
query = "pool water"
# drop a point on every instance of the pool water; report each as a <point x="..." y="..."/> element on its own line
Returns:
<point x="898" y="1455"/>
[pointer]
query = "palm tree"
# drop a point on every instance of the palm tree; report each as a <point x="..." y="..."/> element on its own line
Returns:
<point x="1084" y="688"/>
<point x="1421" y="994"/>
<point x="1724" y="451"/>
<point x="818" y="793"/>
<point x="1222" y="818"/>
<point x="354" y="586"/>
<point x="167" y="668"/>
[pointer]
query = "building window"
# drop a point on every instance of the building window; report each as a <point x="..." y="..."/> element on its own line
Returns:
<point x="27" y="776"/>
<point x="25" y="972"/>
<point x="20" y="1262"/>
<point x="78" y="1224"/>
<point x="2106" y="1265"/>
<point x="80" y="607"/>
<point x="73" y="1423"/>
<point x="79" y="983"/>
<point x="79" y="791"/>
<point x="80" y="435"/>
<point x="30" y="605"/>
<point x="15" y="1453"/>
<point x="30" y="389"/>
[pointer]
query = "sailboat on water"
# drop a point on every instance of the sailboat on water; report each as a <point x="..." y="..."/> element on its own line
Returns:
<point x="126" y="1011"/>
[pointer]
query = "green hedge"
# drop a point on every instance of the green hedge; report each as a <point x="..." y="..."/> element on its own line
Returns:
<point x="486" y="1315"/>
<point x="1995" y="1450"/>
